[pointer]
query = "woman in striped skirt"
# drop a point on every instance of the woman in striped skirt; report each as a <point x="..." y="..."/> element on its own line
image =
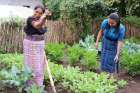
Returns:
<point x="34" y="43"/>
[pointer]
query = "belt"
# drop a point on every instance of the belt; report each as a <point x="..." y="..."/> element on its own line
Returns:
<point x="35" y="37"/>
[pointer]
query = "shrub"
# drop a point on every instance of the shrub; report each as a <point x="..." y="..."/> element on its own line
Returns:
<point x="55" y="51"/>
<point x="133" y="7"/>
<point x="54" y="7"/>
<point x="80" y="14"/>
<point x="133" y="20"/>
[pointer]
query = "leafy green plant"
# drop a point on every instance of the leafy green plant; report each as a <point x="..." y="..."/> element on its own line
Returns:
<point x="88" y="43"/>
<point x="15" y="77"/>
<point x="131" y="62"/>
<point x="8" y="60"/>
<point x="74" y="53"/>
<point x="57" y="72"/>
<point x="135" y="40"/>
<point x="90" y="60"/>
<point x="131" y="47"/>
<point x="130" y="59"/>
<point x="122" y="83"/>
<point x="82" y="82"/>
<point x="89" y="83"/>
<point x="35" y="89"/>
<point x="55" y="51"/>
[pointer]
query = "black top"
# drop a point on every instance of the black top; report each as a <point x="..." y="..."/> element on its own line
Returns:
<point x="30" y="30"/>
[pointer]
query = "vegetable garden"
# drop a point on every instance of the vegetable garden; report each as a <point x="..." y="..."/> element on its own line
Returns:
<point x="75" y="64"/>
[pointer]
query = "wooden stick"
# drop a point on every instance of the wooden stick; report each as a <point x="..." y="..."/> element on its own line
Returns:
<point x="49" y="74"/>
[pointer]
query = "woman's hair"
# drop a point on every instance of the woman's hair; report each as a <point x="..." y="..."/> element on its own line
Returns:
<point x="115" y="17"/>
<point x="41" y="7"/>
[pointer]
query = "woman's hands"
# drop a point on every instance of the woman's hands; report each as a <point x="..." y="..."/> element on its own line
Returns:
<point x="119" y="47"/>
<point x="96" y="45"/>
<point x="98" y="38"/>
<point x="116" y="59"/>
<point x="47" y="12"/>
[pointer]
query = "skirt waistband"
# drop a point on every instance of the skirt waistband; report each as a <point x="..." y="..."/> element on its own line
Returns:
<point x="35" y="37"/>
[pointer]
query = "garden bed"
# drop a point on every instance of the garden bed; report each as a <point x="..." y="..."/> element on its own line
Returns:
<point x="75" y="69"/>
<point x="133" y="86"/>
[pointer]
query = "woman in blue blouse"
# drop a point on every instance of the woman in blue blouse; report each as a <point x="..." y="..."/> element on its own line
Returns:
<point x="112" y="33"/>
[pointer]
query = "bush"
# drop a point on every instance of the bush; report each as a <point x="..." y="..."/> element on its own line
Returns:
<point x="133" y="7"/>
<point x="90" y="60"/>
<point x="130" y="59"/>
<point x="133" y="20"/>
<point x="74" y="54"/>
<point x="54" y="7"/>
<point x="55" y="51"/>
<point x="80" y="14"/>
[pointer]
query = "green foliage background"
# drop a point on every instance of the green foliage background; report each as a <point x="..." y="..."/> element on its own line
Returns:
<point x="79" y="14"/>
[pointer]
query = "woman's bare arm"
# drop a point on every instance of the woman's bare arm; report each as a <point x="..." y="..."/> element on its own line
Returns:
<point x="119" y="47"/>
<point x="98" y="38"/>
<point x="39" y="23"/>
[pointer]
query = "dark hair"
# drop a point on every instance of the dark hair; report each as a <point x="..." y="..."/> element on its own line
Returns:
<point x="115" y="17"/>
<point x="39" y="6"/>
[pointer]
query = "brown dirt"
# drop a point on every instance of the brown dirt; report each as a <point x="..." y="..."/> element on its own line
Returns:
<point x="133" y="84"/>
<point x="59" y="89"/>
<point x="8" y="90"/>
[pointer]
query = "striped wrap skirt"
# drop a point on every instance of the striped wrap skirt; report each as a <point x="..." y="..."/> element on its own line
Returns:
<point x="34" y="58"/>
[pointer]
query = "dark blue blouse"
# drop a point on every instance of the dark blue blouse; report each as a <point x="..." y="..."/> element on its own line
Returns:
<point x="30" y="30"/>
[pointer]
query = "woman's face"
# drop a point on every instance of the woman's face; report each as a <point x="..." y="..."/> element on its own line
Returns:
<point x="112" y="22"/>
<point x="38" y="13"/>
